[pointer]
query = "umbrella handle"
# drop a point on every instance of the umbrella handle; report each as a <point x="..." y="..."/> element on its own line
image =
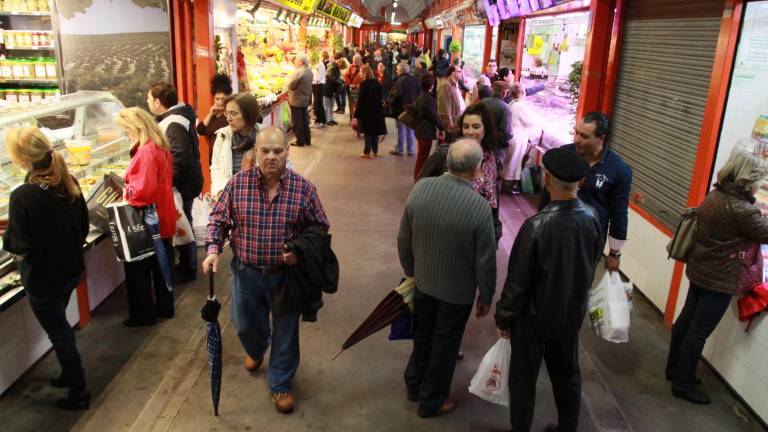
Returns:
<point x="210" y="283"/>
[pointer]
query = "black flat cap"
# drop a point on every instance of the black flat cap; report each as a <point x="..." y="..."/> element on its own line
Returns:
<point x="566" y="165"/>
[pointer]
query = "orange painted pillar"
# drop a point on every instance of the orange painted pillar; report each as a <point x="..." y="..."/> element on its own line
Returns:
<point x="595" y="58"/>
<point x="205" y="68"/>
<point x="520" y="44"/>
<point x="488" y="47"/>
<point x="303" y="31"/>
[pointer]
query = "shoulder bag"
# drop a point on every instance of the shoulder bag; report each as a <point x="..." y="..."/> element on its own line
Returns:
<point x="680" y="246"/>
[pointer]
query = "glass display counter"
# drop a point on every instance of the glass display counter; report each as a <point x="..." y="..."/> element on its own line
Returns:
<point x="81" y="127"/>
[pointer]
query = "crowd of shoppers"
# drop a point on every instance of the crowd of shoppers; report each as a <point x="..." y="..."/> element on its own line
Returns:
<point x="447" y="237"/>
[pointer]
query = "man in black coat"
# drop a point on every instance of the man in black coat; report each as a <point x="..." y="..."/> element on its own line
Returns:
<point x="544" y="300"/>
<point x="404" y="92"/>
<point x="177" y="120"/>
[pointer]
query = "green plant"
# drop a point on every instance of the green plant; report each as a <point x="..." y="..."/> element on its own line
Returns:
<point x="574" y="81"/>
<point x="455" y="47"/>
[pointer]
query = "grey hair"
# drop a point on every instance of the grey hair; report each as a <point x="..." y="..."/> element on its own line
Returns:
<point x="303" y="59"/>
<point x="744" y="168"/>
<point x="464" y="156"/>
<point x="403" y="68"/>
<point x="564" y="185"/>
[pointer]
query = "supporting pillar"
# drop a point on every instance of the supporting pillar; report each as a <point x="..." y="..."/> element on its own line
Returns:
<point x="488" y="48"/>
<point x="596" y="56"/>
<point x="205" y="67"/>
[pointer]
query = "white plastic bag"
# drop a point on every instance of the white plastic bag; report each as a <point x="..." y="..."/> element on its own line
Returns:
<point x="201" y="209"/>
<point x="491" y="381"/>
<point x="609" y="307"/>
<point x="184" y="233"/>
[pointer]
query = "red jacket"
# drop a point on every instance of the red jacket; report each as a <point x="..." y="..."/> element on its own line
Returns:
<point x="149" y="180"/>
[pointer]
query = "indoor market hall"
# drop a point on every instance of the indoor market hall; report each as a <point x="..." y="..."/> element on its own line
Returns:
<point x="158" y="379"/>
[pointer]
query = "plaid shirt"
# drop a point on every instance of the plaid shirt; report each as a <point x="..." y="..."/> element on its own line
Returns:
<point x="258" y="228"/>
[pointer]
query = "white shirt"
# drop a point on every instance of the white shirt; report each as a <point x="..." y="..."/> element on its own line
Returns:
<point x="318" y="73"/>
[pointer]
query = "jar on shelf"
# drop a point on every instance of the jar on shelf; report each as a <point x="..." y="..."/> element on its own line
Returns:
<point x="41" y="68"/>
<point x="18" y="71"/>
<point x="35" y="39"/>
<point x="43" y="6"/>
<point x="6" y="69"/>
<point x="28" y="39"/>
<point x="45" y="41"/>
<point x="18" y="39"/>
<point x="51" y="71"/>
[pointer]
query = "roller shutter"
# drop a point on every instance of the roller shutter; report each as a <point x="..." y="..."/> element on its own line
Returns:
<point x="661" y="93"/>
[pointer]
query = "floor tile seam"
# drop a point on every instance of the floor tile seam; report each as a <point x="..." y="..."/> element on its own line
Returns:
<point x="604" y="384"/>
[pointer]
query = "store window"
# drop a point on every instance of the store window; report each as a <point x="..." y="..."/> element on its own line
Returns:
<point x="494" y="42"/>
<point x="745" y="122"/>
<point x="554" y="45"/>
<point x="473" y="48"/>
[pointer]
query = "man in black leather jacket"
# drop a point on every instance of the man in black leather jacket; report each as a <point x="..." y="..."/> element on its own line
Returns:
<point x="544" y="300"/>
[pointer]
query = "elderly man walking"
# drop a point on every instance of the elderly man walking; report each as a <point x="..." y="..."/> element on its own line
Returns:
<point x="446" y="242"/>
<point x="542" y="306"/>
<point x="405" y="92"/>
<point x="259" y="210"/>
<point x="299" y="98"/>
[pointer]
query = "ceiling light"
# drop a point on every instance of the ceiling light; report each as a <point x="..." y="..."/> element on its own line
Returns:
<point x="394" y="5"/>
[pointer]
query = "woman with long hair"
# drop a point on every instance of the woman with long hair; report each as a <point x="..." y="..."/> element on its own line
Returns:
<point x="47" y="226"/>
<point x="730" y="230"/>
<point x="232" y="150"/>
<point x="221" y="89"/>
<point x="477" y="122"/>
<point x="370" y="115"/>
<point x="429" y="122"/>
<point x="148" y="182"/>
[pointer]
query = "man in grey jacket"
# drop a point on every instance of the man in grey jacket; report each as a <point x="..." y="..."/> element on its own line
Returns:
<point x="299" y="98"/>
<point x="446" y="243"/>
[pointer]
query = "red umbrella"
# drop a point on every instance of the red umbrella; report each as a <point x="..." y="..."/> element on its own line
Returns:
<point x="752" y="303"/>
<point x="394" y="305"/>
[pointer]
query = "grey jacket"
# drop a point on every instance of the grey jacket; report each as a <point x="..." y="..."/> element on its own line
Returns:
<point x="300" y="88"/>
<point x="446" y="241"/>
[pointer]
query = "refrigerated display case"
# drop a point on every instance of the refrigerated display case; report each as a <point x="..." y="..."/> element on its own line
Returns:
<point x="80" y="126"/>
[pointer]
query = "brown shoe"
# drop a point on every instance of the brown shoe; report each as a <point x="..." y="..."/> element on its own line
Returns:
<point x="445" y="408"/>
<point x="251" y="365"/>
<point x="284" y="402"/>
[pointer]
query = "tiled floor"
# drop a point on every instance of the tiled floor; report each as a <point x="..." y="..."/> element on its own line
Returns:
<point x="156" y="379"/>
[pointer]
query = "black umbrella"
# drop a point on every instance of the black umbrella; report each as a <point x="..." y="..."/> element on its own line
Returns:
<point x="210" y="313"/>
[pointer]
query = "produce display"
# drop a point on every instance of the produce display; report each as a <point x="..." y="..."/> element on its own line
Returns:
<point x="268" y="77"/>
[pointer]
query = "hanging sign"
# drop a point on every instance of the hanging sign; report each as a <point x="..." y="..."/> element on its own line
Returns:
<point x="355" y="20"/>
<point x="301" y="6"/>
<point x="333" y="10"/>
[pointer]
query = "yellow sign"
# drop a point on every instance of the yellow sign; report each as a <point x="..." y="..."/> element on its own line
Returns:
<point x="301" y="6"/>
<point x="538" y="46"/>
<point x="333" y="10"/>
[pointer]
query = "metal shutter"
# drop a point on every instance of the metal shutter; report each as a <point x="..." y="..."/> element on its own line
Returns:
<point x="664" y="75"/>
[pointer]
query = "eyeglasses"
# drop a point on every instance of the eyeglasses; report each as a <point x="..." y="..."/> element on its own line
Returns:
<point x="232" y="114"/>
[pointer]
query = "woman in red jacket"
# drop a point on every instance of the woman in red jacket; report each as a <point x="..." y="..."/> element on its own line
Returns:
<point x="148" y="181"/>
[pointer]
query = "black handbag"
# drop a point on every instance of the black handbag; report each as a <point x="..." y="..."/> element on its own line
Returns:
<point x="110" y="190"/>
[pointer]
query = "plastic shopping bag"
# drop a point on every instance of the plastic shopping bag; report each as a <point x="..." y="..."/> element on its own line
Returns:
<point x="609" y="307"/>
<point x="201" y="209"/>
<point x="491" y="381"/>
<point x="129" y="232"/>
<point x="184" y="233"/>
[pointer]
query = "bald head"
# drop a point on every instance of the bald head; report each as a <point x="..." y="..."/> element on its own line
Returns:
<point x="464" y="157"/>
<point x="271" y="134"/>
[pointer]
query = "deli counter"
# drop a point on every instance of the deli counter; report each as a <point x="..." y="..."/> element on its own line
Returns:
<point x="81" y="127"/>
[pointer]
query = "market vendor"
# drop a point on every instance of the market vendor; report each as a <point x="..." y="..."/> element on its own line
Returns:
<point x="221" y="89"/>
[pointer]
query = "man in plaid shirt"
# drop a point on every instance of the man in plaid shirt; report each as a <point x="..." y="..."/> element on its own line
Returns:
<point x="259" y="210"/>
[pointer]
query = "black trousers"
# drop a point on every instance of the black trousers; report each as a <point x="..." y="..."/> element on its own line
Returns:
<point x="341" y="98"/>
<point x="561" y="356"/>
<point x="317" y="100"/>
<point x="51" y="313"/>
<point x="701" y="313"/>
<point x="437" y="331"/>
<point x="300" y="121"/>
<point x="142" y="279"/>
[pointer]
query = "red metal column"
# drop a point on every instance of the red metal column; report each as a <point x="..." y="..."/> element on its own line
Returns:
<point x="595" y="58"/>
<point x="717" y="96"/>
<point x="612" y="66"/>
<point x="83" y="303"/>
<point x="520" y="44"/>
<point x="488" y="46"/>
<point x="205" y="68"/>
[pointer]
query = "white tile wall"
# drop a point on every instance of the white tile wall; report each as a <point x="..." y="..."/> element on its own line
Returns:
<point x="741" y="358"/>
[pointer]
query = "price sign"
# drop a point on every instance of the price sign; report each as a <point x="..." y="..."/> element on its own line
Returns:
<point x="301" y="6"/>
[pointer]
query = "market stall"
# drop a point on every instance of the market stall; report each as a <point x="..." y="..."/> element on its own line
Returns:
<point x="80" y="126"/>
<point x="550" y="71"/>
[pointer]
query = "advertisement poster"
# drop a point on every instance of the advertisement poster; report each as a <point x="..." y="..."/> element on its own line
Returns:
<point x="508" y="32"/>
<point x="474" y="47"/>
<point x="120" y="46"/>
<point x="745" y="122"/>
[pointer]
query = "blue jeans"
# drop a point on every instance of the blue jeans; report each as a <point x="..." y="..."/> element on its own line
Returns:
<point x="328" y="105"/>
<point x="404" y="134"/>
<point x="252" y="296"/>
<point x="51" y="312"/>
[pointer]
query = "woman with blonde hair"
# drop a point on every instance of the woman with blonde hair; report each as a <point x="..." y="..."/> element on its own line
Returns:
<point x="725" y="261"/>
<point x="148" y="182"/>
<point x="47" y="226"/>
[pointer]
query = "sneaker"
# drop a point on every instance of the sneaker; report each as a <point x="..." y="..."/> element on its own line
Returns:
<point x="284" y="402"/>
<point x="396" y="153"/>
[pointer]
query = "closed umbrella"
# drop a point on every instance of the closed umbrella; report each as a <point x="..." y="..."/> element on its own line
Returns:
<point x="394" y="305"/>
<point x="210" y="313"/>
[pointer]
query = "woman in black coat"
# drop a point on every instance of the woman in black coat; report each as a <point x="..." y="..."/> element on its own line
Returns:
<point x="429" y="121"/>
<point x="369" y="114"/>
<point x="47" y="226"/>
